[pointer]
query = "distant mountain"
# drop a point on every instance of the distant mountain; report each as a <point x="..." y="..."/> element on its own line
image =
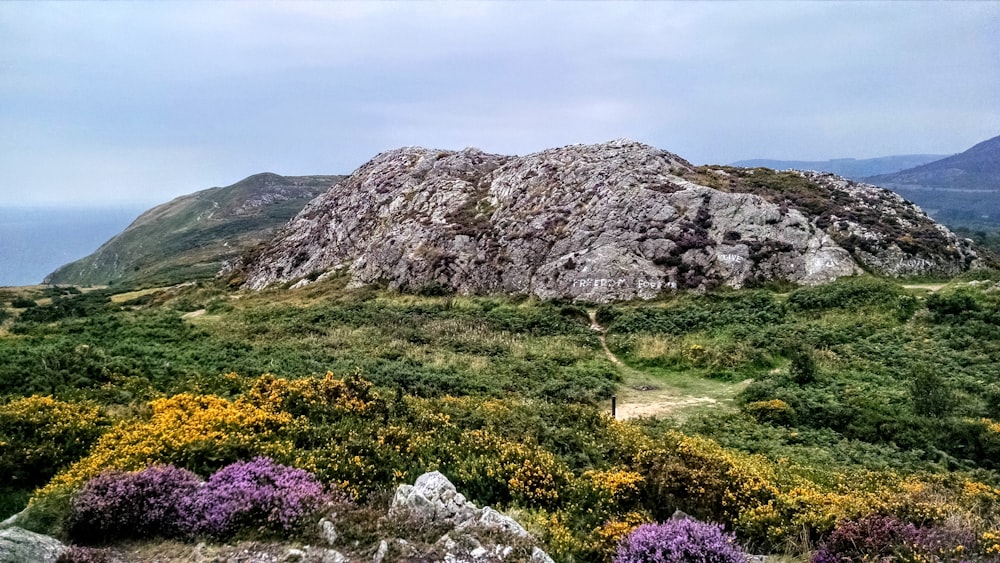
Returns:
<point x="853" y="168"/>
<point x="617" y="220"/>
<point x="961" y="190"/>
<point x="193" y="235"/>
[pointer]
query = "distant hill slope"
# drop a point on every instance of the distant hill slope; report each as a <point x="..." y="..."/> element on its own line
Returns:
<point x="853" y="168"/>
<point x="961" y="190"/>
<point x="617" y="220"/>
<point x="193" y="235"/>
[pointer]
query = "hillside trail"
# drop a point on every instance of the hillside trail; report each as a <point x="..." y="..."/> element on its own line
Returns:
<point x="932" y="287"/>
<point x="644" y="394"/>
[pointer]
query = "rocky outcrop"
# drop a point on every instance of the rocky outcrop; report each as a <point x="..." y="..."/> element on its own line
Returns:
<point x="433" y="499"/>
<point x="18" y="545"/>
<point x="619" y="220"/>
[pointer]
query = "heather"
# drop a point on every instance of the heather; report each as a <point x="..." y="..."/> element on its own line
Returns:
<point x="679" y="541"/>
<point x="887" y="538"/>
<point x="146" y="503"/>
<point x="832" y="406"/>
<point x="258" y="496"/>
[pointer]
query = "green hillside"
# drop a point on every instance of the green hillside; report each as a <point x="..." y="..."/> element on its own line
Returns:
<point x="193" y="235"/>
<point x="961" y="190"/>
<point x="788" y="415"/>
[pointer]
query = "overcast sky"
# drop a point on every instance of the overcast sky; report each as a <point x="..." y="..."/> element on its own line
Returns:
<point x="136" y="103"/>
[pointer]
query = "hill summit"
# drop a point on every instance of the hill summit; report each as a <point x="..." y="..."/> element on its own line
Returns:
<point x="616" y="220"/>
<point x="193" y="235"/>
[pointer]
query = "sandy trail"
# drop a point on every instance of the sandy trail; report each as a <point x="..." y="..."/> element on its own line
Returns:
<point x="641" y="394"/>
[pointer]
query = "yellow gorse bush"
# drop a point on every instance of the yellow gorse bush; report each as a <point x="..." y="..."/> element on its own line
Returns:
<point x="38" y="435"/>
<point x="201" y="432"/>
<point x="509" y="470"/>
<point x="311" y="396"/>
<point x="604" y="539"/>
<point x="710" y="478"/>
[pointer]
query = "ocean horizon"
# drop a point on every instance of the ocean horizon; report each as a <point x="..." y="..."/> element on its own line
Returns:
<point x="36" y="240"/>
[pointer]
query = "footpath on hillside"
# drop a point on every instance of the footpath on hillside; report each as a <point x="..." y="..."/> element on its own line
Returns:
<point x="643" y="394"/>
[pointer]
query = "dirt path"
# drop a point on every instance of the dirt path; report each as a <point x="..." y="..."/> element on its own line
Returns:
<point x="928" y="286"/>
<point x="642" y="394"/>
<point x="594" y="326"/>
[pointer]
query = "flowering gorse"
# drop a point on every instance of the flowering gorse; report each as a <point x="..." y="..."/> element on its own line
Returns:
<point x="679" y="541"/>
<point x="39" y="435"/>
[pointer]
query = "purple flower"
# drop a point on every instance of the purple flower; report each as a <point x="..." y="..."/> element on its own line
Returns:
<point x="679" y="541"/>
<point x="118" y="504"/>
<point x="257" y="494"/>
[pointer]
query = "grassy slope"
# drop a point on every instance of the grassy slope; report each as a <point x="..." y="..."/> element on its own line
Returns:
<point x="191" y="236"/>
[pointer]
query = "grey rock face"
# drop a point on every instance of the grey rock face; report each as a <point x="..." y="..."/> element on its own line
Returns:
<point x="904" y="242"/>
<point x="18" y="545"/>
<point x="434" y="498"/>
<point x="587" y="222"/>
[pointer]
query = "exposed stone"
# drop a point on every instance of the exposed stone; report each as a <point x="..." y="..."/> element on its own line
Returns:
<point x="18" y="545"/>
<point x="381" y="552"/>
<point x="314" y="555"/>
<point x="328" y="531"/>
<point x="539" y="556"/>
<point x="492" y="519"/>
<point x="680" y="515"/>
<point x="434" y="498"/>
<point x="587" y="222"/>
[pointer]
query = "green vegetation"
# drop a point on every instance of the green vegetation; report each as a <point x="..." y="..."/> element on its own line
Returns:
<point x="190" y="237"/>
<point x="815" y="405"/>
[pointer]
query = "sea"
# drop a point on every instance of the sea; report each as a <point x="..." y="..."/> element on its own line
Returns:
<point x="34" y="241"/>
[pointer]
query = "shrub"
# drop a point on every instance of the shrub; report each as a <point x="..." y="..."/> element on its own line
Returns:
<point x="23" y="303"/>
<point x="145" y="503"/>
<point x="257" y="494"/>
<point x="868" y="539"/>
<point x="679" y="541"/>
<point x="950" y="306"/>
<point x="887" y="538"/>
<point x="847" y="293"/>
<point x="39" y="435"/>
<point x="803" y="366"/>
<point x="775" y="412"/>
<point x="200" y="432"/>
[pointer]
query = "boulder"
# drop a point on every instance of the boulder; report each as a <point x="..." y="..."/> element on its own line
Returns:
<point x="18" y="545"/>
<point x="433" y="497"/>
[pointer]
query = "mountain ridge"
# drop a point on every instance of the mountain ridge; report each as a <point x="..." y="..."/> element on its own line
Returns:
<point x="961" y="190"/>
<point x="853" y="168"/>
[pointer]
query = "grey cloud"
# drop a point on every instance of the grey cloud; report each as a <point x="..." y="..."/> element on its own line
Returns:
<point x="230" y="89"/>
